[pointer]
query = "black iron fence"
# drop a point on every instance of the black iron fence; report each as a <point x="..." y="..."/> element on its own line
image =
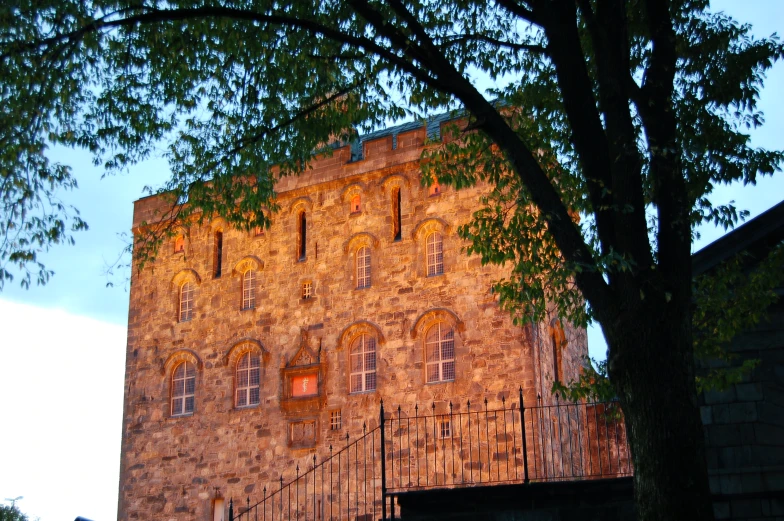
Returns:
<point x="347" y="484"/>
<point x="458" y="446"/>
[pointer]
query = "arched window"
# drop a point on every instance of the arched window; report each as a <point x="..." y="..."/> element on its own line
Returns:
<point x="248" y="378"/>
<point x="186" y="301"/>
<point x="435" y="189"/>
<point x="397" y="229"/>
<point x="303" y="236"/>
<point x="356" y="204"/>
<point x="363" y="364"/>
<point x="435" y="254"/>
<point x="363" y="267"/>
<point x="183" y="389"/>
<point x="558" y="341"/>
<point x="179" y="244"/>
<point x="217" y="255"/>
<point x="440" y="353"/>
<point x="249" y="289"/>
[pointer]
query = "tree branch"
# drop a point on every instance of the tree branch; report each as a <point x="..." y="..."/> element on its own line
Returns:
<point x="588" y="136"/>
<point x="539" y="49"/>
<point x="519" y="10"/>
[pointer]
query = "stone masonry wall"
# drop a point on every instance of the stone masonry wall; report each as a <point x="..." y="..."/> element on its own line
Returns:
<point x="174" y="467"/>
<point x="744" y="429"/>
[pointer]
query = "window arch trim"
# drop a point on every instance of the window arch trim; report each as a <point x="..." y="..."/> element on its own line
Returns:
<point x="359" y="240"/>
<point x="353" y="330"/>
<point x="249" y="262"/>
<point x="181" y="355"/>
<point x="431" y="316"/>
<point x="183" y="276"/>
<point x="302" y="203"/>
<point x="430" y="225"/>
<point x="396" y="180"/>
<point x="245" y="345"/>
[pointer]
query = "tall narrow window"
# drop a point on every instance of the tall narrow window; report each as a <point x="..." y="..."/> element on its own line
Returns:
<point x="249" y="289"/>
<point x="356" y="204"/>
<point x="440" y="353"/>
<point x="363" y="267"/>
<point x="435" y="254"/>
<point x="558" y="339"/>
<point x="435" y="188"/>
<point x="186" y="301"/>
<point x="397" y="229"/>
<point x="179" y="244"/>
<point x="248" y="380"/>
<point x="183" y="389"/>
<point x="363" y="364"/>
<point x="217" y="255"/>
<point x="303" y="236"/>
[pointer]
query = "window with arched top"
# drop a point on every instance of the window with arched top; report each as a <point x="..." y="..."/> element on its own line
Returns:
<point x="179" y="244"/>
<point x="217" y="255"/>
<point x="302" y="229"/>
<point x="183" y="389"/>
<point x="356" y="204"/>
<point x="440" y="353"/>
<point x="186" y="301"/>
<point x="363" y="267"/>
<point x="249" y="289"/>
<point x="397" y="228"/>
<point x="558" y="341"/>
<point x="435" y="189"/>
<point x="435" y="254"/>
<point x="248" y="380"/>
<point x="363" y="364"/>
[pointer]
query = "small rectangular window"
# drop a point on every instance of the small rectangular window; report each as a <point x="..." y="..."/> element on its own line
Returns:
<point x="335" y="420"/>
<point x="445" y="428"/>
<point x="307" y="290"/>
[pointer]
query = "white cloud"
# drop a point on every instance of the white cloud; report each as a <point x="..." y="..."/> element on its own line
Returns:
<point x="61" y="392"/>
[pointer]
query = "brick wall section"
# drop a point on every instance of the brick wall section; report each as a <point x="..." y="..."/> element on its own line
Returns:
<point x="744" y="429"/>
<point x="173" y="467"/>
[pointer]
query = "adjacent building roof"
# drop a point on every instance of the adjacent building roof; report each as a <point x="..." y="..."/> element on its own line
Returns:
<point x="757" y="236"/>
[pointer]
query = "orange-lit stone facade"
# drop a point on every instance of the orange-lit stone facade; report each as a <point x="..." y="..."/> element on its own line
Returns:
<point x="329" y="322"/>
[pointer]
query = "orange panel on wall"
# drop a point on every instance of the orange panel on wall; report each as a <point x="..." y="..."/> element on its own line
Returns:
<point x="304" y="385"/>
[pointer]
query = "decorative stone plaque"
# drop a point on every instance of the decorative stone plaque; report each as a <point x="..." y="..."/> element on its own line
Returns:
<point x="303" y="380"/>
<point x="302" y="433"/>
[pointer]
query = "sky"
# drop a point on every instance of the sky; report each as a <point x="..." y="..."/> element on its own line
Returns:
<point x="63" y="344"/>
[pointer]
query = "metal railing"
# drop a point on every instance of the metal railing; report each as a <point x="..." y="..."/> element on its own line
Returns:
<point x="345" y="485"/>
<point x="456" y="447"/>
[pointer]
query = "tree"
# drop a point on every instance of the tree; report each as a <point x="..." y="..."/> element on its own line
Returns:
<point x="11" y="512"/>
<point x="624" y="112"/>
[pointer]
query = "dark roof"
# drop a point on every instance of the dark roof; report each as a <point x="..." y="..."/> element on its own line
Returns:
<point x="433" y="125"/>
<point x="757" y="236"/>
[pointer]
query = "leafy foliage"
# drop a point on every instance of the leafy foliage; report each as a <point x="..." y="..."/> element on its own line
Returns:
<point x="592" y="385"/>
<point x="11" y="512"/>
<point x="728" y="300"/>
<point x="624" y="113"/>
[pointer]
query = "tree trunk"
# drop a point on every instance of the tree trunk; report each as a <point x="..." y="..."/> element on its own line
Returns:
<point x="651" y="363"/>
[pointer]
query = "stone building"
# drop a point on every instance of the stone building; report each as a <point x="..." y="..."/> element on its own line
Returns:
<point x="248" y="352"/>
<point x="744" y="423"/>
